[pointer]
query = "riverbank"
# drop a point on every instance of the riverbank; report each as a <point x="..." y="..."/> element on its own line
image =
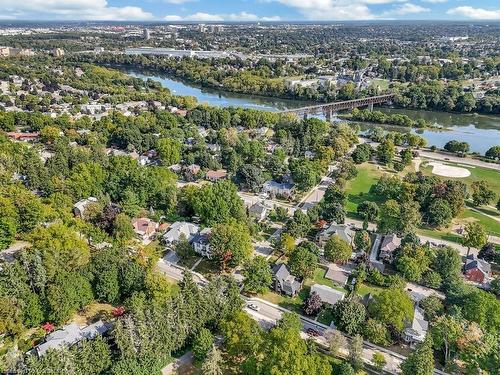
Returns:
<point x="480" y="132"/>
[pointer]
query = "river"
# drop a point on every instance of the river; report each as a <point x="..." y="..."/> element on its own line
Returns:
<point x="480" y="131"/>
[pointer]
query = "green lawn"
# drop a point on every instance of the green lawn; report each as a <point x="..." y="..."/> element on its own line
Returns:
<point x="358" y="189"/>
<point x="325" y="316"/>
<point x="492" y="226"/>
<point x="491" y="176"/>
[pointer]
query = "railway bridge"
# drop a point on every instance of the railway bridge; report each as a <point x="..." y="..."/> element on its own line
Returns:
<point x="328" y="109"/>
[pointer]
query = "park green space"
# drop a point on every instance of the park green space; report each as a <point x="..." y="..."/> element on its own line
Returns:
<point x="491" y="176"/>
<point x="359" y="190"/>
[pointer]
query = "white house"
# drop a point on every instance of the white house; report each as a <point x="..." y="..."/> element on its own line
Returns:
<point x="201" y="243"/>
<point x="179" y="229"/>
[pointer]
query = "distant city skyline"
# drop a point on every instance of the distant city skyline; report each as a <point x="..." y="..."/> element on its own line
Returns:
<point x="249" y="10"/>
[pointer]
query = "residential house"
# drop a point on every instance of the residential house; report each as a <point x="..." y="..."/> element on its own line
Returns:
<point x="258" y="211"/>
<point x="180" y="229"/>
<point x="217" y="175"/>
<point x="341" y="230"/>
<point x="477" y="270"/>
<point x="389" y="244"/>
<point x="213" y="147"/>
<point x="80" y="206"/>
<point x="416" y="331"/>
<point x="277" y="189"/>
<point x="201" y="243"/>
<point x="284" y="281"/>
<point x="191" y="172"/>
<point x="327" y="295"/>
<point x="144" y="228"/>
<point x="23" y="137"/>
<point x="70" y="335"/>
<point x="337" y="274"/>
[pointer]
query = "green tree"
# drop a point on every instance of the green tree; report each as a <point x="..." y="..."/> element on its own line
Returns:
<point x="349" y="314"/>
<point x="230" y="244"/>
<point x="379" y="361"/>
<point x="475" y="236"/>
<point x="336" y="341"/>
<point x="392" y="307"/>
<point x="376" y="332"/>
<point x="202" y="344"/>
<point x="356" y="352"/>
<point x="218" y="203"/>
<point x="242" y="335"/>
<point x="302" y="262"/>
<point x="482" y="194"/>
<point x="368" y="211"/>
<point x="420" y="361"/>
<point x="213" y="363"/>
<point x="122" y="228"/>
<point x="447" y="262"/>
<point x="362" y="153"/>
<point x="61" y="247"/>
<point x="362" y="241"/>
<point x="337" y="250"/>
<point x="68" y="293"/>
<point x="169" y="151"/>
<point x="258" y="275"/>
<point x="7" y="232"/>
<point x="412" y="262"/>
<point x="386" y="151"/>
<point x="493" y="153"/>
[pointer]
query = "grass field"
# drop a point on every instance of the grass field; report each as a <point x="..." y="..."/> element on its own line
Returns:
<point x="358" y="189"/>
<point x="491" y="176"/>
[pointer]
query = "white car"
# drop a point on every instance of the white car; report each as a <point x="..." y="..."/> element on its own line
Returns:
<point x="254" y="307"/>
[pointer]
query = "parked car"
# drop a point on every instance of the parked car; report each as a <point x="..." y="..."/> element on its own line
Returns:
<point x="313" y="332"/>
<point x="253" y="307"/>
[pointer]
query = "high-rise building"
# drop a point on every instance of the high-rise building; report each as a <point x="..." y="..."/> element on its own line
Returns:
<point x="146" y="34"/>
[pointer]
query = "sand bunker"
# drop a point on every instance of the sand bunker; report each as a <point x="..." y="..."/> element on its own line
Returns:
<point x="448" y="170"/>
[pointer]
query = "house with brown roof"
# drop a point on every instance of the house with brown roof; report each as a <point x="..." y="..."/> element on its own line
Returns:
<point x="23" y="137"/>
<point x="144" y="228"/>
<point x="477" y="270"/>
<point x="389" y="244"/>
<point x="217" y="175"/>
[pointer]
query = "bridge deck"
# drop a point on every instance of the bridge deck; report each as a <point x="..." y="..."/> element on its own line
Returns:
<point x="346" y="104"/>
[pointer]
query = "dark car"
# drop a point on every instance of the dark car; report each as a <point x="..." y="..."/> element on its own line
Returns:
<point x="313" y="332"/>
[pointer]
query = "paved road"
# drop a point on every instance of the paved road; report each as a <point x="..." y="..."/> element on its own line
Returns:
<point x="443" y="156"/>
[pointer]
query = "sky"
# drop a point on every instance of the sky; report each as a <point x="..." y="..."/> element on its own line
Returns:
<point x="249" y="10"/>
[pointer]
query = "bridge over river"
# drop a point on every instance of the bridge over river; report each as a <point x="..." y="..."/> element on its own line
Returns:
<point x="328" y="108"/>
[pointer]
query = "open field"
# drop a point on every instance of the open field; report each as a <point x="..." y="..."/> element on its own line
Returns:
<point x="491" y="176"/>
<point x="359" y="188"/>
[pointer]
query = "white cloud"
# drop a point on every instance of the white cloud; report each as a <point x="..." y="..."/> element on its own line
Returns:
<point x="475" y="13"/>
<point x="71" y="9"/>
<point x="434" y="1"/>
<point x="241" y="16"/>
<point x="173" y="18"/>
<point x="407" y="8"/>
<point x="200" y="16"/>
<point x="333" y="9"/>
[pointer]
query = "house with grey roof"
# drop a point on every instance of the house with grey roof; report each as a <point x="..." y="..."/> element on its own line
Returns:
<point x="389" y="244"/>
<point x="70" y="335"/>
<point x="201" y="243"/>
<point x="258" y="211"/>
<point x="179" y="230"/>
<point x="278" y="189"/>
<point x="416" y="330"/>
<point x="337" y="274"/>
<point x="284" y="282"/>
<point x="327" y="295"/>
<point x="80" y="206"/>
<point x="341" y="230"/>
